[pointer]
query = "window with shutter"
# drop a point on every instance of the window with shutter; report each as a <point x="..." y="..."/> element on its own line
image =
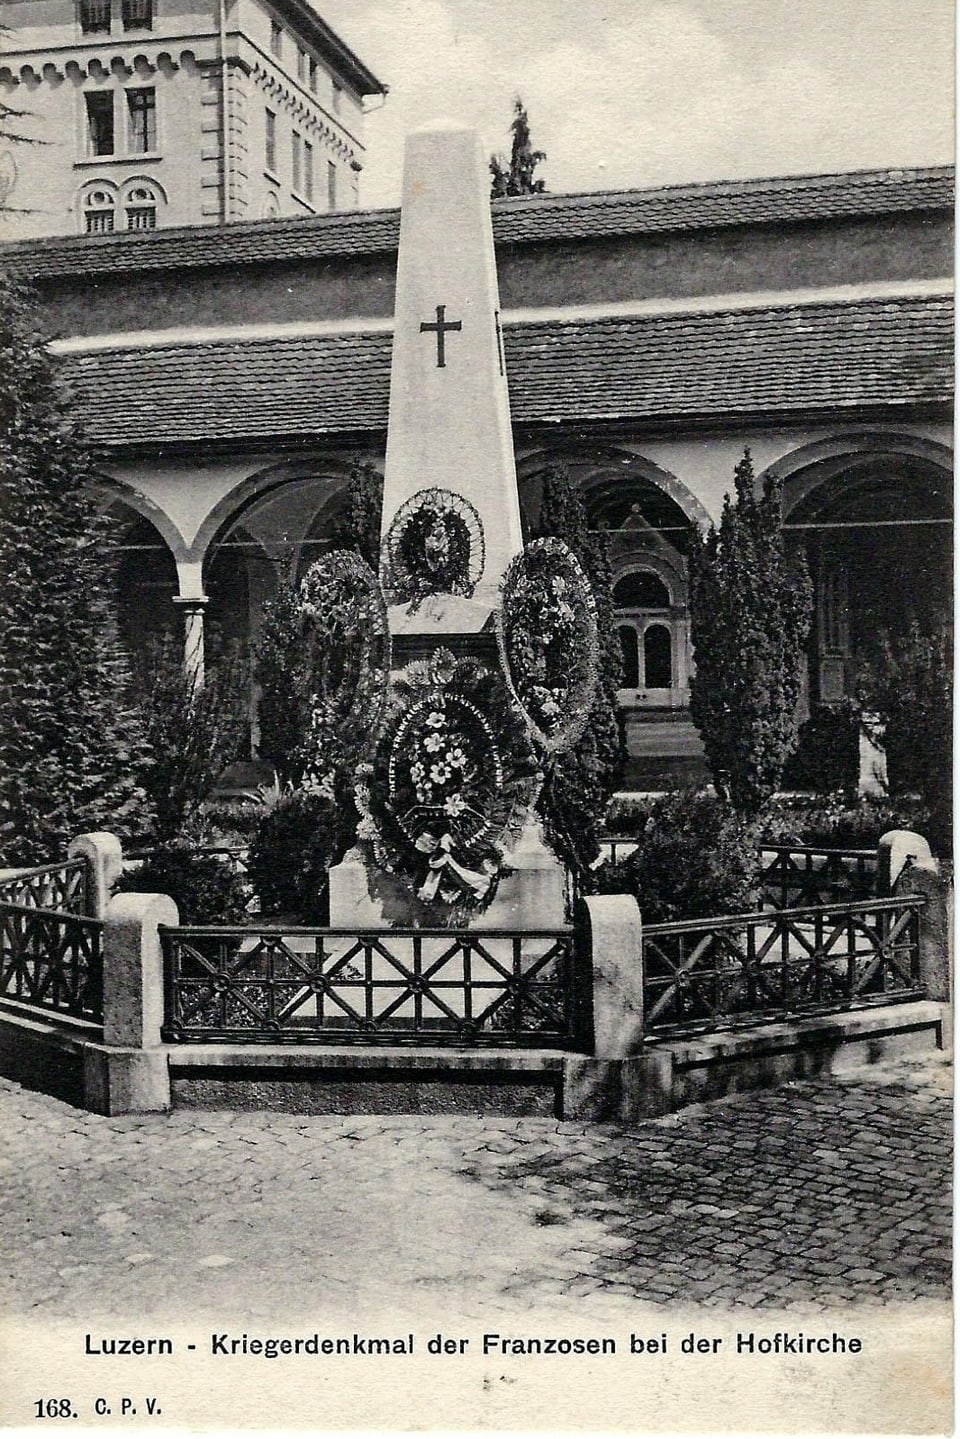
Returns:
<point x="141" y="207"/>
<point x="270" y="142"/>
<point x="137" y="14"/>
<point x="100" y="138"/>
<point x="142" y="119"/>
<point x="295" y="157"/>
<point x="99" y="211"/>
<point x="308" y="170"/>
<point x="94" y="16"/>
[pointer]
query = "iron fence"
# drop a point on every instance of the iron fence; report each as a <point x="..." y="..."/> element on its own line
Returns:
<point x="337" y="986"/>
<point x="61" y="887"/>
<point x="800" y="874"/>
<point x="701" y="975"/>
<point x="52" y="960"/>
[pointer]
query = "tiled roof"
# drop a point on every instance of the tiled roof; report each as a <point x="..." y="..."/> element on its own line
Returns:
<point x="785" y="358"/>
<point x="535" y="219"/>
<point x="740" y="362"/>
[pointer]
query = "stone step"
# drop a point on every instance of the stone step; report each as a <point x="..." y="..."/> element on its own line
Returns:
<point x="398" y="1079"/>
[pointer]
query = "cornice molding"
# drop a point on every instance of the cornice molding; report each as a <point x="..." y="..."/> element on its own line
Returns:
<point x="144" y="61"/>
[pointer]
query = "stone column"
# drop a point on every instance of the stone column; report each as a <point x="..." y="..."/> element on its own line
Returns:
<point x="128" y="1073"/>
<point x="104" y="858"/>
<point x="193" y="659"/>
<point x="872" y="777"/>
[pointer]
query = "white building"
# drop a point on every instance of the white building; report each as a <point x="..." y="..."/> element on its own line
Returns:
<point x="153" y="113"/>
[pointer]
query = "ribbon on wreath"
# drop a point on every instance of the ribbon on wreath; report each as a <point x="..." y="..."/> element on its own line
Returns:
<point x="441" y="864"/>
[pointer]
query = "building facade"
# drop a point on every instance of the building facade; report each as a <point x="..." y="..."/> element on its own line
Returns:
<point x="233" y="375"/>
<point x="156" y="113"/>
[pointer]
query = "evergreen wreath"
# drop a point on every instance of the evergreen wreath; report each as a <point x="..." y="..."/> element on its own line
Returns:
<point x="547" y="635"/>
<point x="433" y="547"/>
<point x="451" y="782"/>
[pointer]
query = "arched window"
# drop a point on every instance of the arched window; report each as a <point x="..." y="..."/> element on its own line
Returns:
<point x="657" y="658"/>
<point x="640" y="598"/>
<point x="140" y="203"/>
<point x="641" y="590"/>
<point x="630" y="678"/>
<point x="99" y="211"/>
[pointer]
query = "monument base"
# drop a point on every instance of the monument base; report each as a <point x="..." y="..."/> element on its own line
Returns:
<point x="462" y="626"/>
<point x="530" y="894"/>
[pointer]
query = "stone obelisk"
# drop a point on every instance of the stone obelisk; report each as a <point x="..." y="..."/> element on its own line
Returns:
<point x="449" y="424"/>
<point x="449" y="430"/>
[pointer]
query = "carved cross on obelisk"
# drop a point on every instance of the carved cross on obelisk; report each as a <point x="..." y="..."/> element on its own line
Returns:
<point x="449" y="425"/>
<point x="442" y="328"/>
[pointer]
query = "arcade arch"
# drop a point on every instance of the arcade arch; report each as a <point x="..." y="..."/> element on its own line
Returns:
<point x="146" y="586"/>
<point x="874" y="522"/>
<point x="269" y="529"/>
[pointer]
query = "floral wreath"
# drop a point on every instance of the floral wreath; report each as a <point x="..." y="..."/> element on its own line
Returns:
<point x="547" y="636"/>
<point x="433" y="547"/>
<point x="450" y="784"/>
<point x="346" y="650"/>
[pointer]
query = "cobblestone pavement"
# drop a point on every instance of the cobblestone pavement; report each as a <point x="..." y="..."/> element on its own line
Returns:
<point x="813" y="1194"/>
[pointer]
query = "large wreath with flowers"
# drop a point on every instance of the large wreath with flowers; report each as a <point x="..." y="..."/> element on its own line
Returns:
<point x="345" y="662"/>
<point x="451" y="781"/>
<point x="433" y="547"/>
<point x="547" y="633"/>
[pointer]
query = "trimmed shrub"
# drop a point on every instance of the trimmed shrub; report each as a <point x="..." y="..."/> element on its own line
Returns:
<point x="836" y="822"/>
<point x="627" y="816"/>
<point x="695" y="858"/>
<point x="283" y="717"/>
<point x="827" y="756"/>
<point x="231" y="822"/>
<point x="193" y="730"/>
<point x="204" y="887"/>
<point x="296" y="843"/>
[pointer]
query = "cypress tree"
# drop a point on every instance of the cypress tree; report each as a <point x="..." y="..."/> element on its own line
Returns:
<point x="358" y="527"/>
<point x="905" y="688"/>
<point x="517" y="177"/>
<point x="278" y="662"/>
<point x="750" y="614"/>
<point x="574" y="799"/>
<point x="71" y="740"/>
<point x="283" y="715"/>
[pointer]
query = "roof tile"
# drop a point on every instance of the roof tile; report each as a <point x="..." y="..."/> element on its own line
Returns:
<point x="533" y="219"/>
<point x="652" y="367"/>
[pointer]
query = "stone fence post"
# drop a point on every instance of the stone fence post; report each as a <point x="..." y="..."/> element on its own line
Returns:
<point x="104" y="859"/>
<point x="906" y="866"/>
<point x="619" y="1080"/>
<point x="611" y="933"/>
<point x="895" y="849"/>
<point x="128" y="1074"/>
